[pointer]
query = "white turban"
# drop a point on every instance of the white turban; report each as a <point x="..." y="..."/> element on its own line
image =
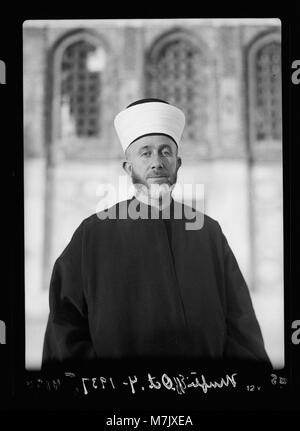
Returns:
<point x="145" y="118"/>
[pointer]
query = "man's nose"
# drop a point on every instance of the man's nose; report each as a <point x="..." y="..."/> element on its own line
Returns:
<point x="156" y="162"/>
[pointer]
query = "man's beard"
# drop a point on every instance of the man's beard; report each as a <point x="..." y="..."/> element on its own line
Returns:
<point x="154" y="190"/>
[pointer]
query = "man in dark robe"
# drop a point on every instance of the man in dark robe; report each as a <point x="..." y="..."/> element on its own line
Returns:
<point x="135" y="282"/>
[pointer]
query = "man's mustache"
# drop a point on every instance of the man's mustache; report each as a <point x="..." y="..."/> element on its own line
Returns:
<point x="155" y="174"/>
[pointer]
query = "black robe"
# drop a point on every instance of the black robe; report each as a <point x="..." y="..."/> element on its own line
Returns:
<point x="149" y="288"/>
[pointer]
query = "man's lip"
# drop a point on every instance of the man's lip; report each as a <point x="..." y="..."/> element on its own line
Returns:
<point x="158" y="176"/>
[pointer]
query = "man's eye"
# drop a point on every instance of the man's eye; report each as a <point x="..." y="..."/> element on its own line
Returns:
<point x="166" y="153"/>
<point x="146" y="153"/>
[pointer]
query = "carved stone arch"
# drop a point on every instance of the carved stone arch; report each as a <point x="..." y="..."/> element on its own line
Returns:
<point x="176" y="69"/>
<point x="77" y="34"/>
<point x="264" y="96"/>
<point x="171" y="36"/>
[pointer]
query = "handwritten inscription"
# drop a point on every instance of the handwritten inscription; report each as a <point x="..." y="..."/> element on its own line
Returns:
<point x="178" y="384"/>
<point x="181" y="383"/>
<point x="278" y="380"/>
<point x="174" y="384"/>
<point x="44" y="384"/>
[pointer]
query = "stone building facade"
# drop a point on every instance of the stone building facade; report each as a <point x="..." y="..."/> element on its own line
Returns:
<point x="225" y="75"/>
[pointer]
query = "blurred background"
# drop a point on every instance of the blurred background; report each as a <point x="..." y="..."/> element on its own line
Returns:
<point x="225" y="74"/>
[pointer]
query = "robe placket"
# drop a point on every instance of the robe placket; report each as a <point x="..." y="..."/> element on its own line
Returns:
<point x="166" y="217"/>
<point x="173" y="264"/>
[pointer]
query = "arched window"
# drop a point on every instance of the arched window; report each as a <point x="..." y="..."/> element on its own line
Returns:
<point x="80" y="90"/>
<point x="265" y="110"/>
<point x="78" y="62"/>
<point x="176" y="73"/>
<point x="268" y="92"/>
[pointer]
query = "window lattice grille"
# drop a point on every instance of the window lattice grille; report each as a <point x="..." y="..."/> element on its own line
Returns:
<point x="80" y="90"/>
<point x="268" y="93"/>
<point x="176" y="77"/>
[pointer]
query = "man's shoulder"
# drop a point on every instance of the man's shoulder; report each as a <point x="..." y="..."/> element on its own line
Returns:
<point x="208" y="221"/>
<point x="211" y="222"/>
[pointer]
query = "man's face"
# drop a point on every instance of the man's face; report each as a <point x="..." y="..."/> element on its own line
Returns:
<point x="152" y="160"/>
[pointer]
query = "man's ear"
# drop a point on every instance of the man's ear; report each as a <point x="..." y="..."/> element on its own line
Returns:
<point x="179" y="162"/>
<point x="127" y="167"/>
